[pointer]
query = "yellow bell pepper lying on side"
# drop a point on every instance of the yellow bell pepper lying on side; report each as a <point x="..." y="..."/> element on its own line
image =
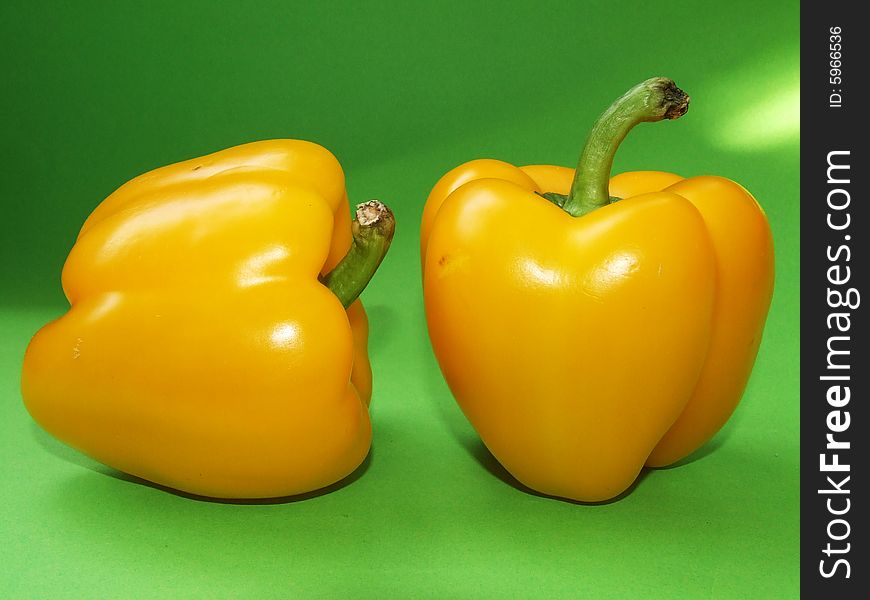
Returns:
<point x="587" y="328"/>
<point x="214" y="343"/>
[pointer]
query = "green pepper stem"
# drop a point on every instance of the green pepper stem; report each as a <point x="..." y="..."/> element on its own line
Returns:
<point x="372" y="230"/>
<point x="653" y="100"/>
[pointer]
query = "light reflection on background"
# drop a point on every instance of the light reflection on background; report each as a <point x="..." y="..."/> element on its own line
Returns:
<point x="756" y="107"/>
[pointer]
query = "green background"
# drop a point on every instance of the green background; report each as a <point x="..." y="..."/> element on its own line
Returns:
<point x="96" y="93"/>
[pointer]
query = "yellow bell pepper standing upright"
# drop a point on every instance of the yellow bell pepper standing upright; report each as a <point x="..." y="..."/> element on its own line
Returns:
<point x="588" y="327"/>
<point x="214" y="343"/>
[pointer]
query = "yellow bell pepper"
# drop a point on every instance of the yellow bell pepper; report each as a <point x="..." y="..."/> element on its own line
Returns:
<point x="207" y="347"/>
<point x="588" y="326"/>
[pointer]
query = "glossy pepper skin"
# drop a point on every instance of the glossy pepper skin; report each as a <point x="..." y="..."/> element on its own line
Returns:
<point x="200" y="350"/>
<point x="583" y="348"/>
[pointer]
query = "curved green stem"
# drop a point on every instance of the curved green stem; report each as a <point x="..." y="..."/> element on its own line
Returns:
<point x="372" y="233"/>
<point x="653" y="100"/>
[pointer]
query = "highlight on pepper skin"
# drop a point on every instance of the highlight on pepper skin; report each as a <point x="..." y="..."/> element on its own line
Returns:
<point x="214" y="342"/>
<point x="589" y="326"/>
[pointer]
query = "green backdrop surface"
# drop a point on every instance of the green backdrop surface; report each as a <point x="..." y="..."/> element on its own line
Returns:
<point x="98" y="92"/>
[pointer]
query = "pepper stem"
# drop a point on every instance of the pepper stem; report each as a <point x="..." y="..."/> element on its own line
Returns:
<point x="372" y="233"/>
<point x="652" y="100"/>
